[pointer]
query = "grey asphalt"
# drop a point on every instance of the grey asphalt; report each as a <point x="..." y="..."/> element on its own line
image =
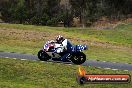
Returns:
<point x="100" y="64"/>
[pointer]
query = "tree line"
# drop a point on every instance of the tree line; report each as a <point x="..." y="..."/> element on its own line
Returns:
<point x="51" y="12"/>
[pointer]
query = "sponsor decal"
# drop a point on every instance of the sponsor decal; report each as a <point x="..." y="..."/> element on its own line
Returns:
<point x="83" y="78"/>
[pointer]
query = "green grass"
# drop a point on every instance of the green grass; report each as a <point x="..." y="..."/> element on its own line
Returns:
<point x="119" y="35"/>
<point x="109" y="45"/>
<point x="36" y="74"/>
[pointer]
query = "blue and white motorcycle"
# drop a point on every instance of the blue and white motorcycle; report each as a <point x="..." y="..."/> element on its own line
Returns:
<point x="73" y="53"/>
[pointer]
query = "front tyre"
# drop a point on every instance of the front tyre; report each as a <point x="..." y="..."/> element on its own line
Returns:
<point x="43" y="55"/>
<point x="78" y="58"/>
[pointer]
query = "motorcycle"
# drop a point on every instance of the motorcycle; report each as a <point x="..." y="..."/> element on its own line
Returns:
<point x="73" y="53"/>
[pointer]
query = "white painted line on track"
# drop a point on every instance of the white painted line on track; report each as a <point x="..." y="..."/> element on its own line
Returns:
<point x="107" y="68"/>
<point x="126" y="63"/>
<point x="98" y="67"/>
<point x="114" y="69"/>
<point x="125" y="70"/>
<point x="68" y="64"/>
<point x="34" y="60"/>
<point x="103" y="61"/>
<point x="14" y="58"/>
<point x="23" y="59"/>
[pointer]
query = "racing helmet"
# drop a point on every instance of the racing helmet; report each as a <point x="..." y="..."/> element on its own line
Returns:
<point x="59" y="39"/>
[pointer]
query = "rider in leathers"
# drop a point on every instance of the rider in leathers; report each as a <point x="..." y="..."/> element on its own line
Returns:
<point x="62" y="46"/>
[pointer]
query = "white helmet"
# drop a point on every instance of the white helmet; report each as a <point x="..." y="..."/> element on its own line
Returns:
<point x="59" y="39"/>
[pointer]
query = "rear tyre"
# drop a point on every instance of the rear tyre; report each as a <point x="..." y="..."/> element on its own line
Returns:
<point x="43" y="55"/>
<point x="78" y="58"/>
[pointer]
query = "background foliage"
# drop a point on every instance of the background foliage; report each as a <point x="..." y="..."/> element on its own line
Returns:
<point x="51" y="12"/>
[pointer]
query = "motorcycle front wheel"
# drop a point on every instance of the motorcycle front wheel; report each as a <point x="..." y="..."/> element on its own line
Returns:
<point x="78" y="58"/>
<point x="43" y="55"/>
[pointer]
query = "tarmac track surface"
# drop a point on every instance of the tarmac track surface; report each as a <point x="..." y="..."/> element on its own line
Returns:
<point x="94" y="63"/>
